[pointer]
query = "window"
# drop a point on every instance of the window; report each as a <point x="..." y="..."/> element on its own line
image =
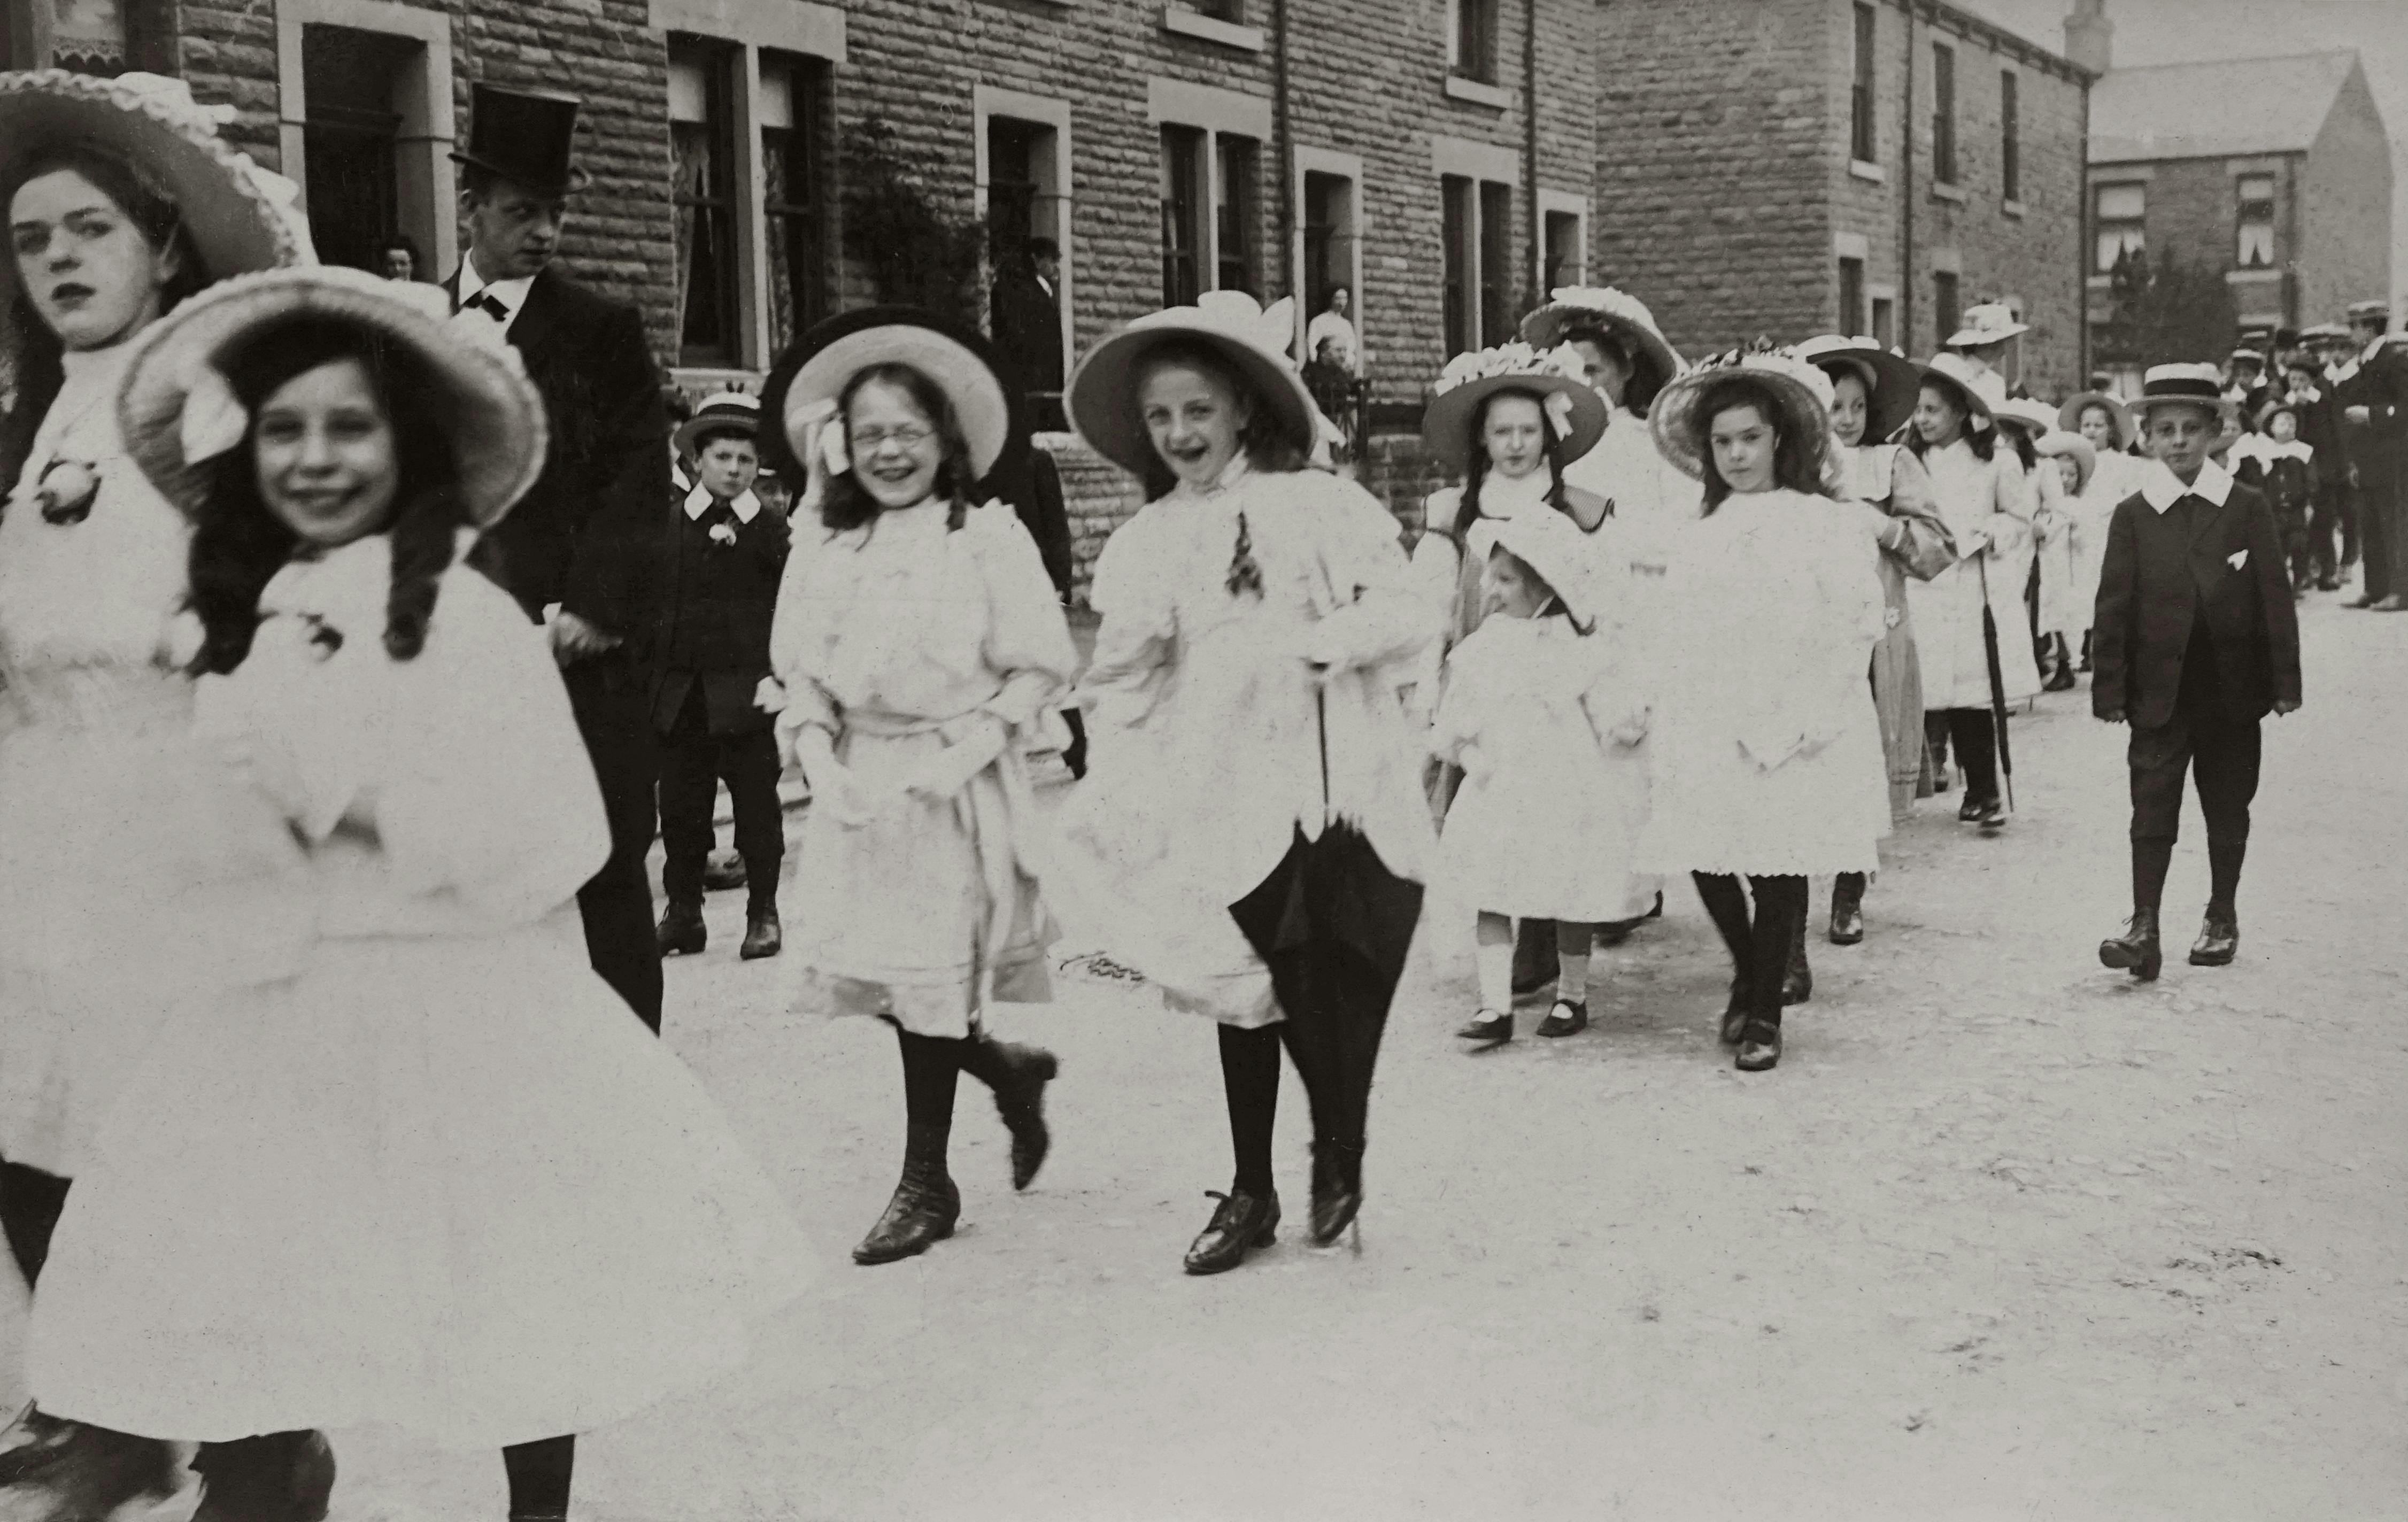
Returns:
<point x="1461" y="216"/>
<point x="1943" y="113"/>
<point x="1563" y="245"/>
<point x="1472" y="39"/>
<point x="1946" y="306"/>
<point x="1884" y="328"/>
<point x="2256" y="221"/>
<point x="2011" y="168"/>
<point x="2120" y="213"/>
<point x="1182" y="211"/>
<point x="1328" y="241"/>
<point x="1851" y="296"/>
<point x="353" y="135"/>
<point x="1232" y="12"/>
<point x="794" y="169"/>
<point x="1860" y="95"/>
<point x="703" y="198"/>
<point x="1238" y="221"/>
<point x="1495" y="262"/>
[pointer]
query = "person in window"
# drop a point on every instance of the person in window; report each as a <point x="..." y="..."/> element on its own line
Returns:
<point x="1330" y="337"/>
<point x="398" y="258"/>
<point x="127" y="866"/>
<point x="712" y="651"/>
<point x="581" y="551"/>
<point x="1025" y="315"/>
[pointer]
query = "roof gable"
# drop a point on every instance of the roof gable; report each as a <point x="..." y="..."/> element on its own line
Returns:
<point x="2225" y="109"/>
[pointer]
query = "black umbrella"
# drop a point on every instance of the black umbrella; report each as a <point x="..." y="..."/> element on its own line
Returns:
<point x="1998" y="681"/>
<point x="1334" y="926"/>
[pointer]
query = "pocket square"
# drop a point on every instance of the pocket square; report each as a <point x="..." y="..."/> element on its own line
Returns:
<point x="2237" y="559"/>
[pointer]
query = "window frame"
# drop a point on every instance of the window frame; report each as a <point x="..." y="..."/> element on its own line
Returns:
<point x="2130" y="232"/>
<point x="1182" y="153"/>
<point x="716" y="60"/>
<point x="1459" y="262"/>
<point x="2011" y="145"/>
<point x="1947" y="305"/>
<point x="1471" y="29"/>
<point x="2242" y="222"/>
<point x="1943" y="114"/>
<point x="1237" y="198"/>
<point x="1851" y="296"/>
<point x="806" y="222"/>
<point x="1864" y="137"/>
<point x="1309" y="277"/>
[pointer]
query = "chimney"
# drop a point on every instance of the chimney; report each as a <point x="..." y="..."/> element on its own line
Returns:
<point x="2090" y="37"/>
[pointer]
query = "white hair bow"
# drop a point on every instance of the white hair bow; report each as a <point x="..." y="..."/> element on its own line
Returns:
<point x="214" y="418"/>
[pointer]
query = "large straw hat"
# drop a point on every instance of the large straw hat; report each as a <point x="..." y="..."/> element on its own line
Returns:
<point x="1551" y="545"/>
<point x="2035" y="418"/>
<point x="2068" y="417"/>
<point x="2186" y="385"/>
<point x="1802" y="392"/>
<point x="1470" y="378"/>
<point x="1889" y="377"/>
<point x="1982" y="390"/>
<point x="180" y="414"/>
<point x="1254" y="340"/>
<point x="813" y="374"/>
<point x="1570" y="309"/>
<point x="1990" y="323"/>
<point x="2054" y="445"/>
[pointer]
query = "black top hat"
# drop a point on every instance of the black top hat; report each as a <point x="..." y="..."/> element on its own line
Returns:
<point x="524" y="136"/>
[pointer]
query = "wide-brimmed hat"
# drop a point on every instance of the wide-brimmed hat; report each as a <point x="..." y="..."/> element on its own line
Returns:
<point x="1802" y="392"/>
<point x="1457" y="396"/>
<point x="2184" y="385"/>
<point x="2325" y="333"/>
<point x="1252" y="338"/>
<point x="526" y="137"/>
<point x="179" y="412"/>
<point x="2068" y="417"/>
<point x="1571" y="308"/>
<point x="1551" y="545"/>
<point x="2056" y="444"/>
<point x="240" y="217"/>
<point x="1990" y="323"/>
<point x="1890" y="378"/>
<point x="1980" y="390"/>
<point x="2035" y="418"/>
<point x="808" y="378"/>
<point x="728" y="412"/>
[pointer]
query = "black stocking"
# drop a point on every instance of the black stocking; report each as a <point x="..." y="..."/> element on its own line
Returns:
<point x="1780" y="914"/>
<point x="932" y="1068"/>
<point x="2150" y="861"/>
<point x="539" y="1474"/>
<point x="1726" y="906"/>
<point x="30" y="1203"/>
<point x="1249" y="1075"/>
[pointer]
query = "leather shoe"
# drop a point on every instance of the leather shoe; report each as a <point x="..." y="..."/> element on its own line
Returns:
<point x="722" y="873"/>
<point x="1798" y="982"/>
<point x="1568" y="1018"/>
<point x="2392" y="604"/>
<point x="1987" y="812"/>
<point x="1490" y="1029"/>
<point x="1241" y="1223"/>
<point x="2361" y="600"/>
<point x="275" y="1477"/>
<point x="763" y="935"/>
<point x="1337" y="1191"/>
<point x="925" y="1206"/>
<point x="2219" y="939"/>
<point x="1735" y="1014"/>
<point x="2136" y="950"/>
<point x="1759" y="1046"/>
<point x="1847" y="915"/>
<point x="82" y="1471"/>
<point x="1018" y="1075"/>
<point x="682" y="932"/>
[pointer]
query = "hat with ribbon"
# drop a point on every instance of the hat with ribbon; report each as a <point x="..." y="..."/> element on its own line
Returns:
<point x="1890" y="377"/>
<point x="1251" y="341"/>
<point x="2248" y="356"/>
<point x="2056" y="444"/>
<point x="2375" y="310"/>
<point x="2325" y="333"/>
<point x="1801" y="391"/>
<point x="180" y="414"/>
<point x="526" y="137"/>
<point x="2184" y="385"/>
<point x="1557" y="379"/>
<point x="1573" y="312"/>
<point x="808" y="380"/>
<point x="1993" y="321"/>
<point x="2068" y="417"/>
<point x="728" y="412"/>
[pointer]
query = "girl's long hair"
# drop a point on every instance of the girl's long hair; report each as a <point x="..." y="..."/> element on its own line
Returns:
<point x="847" y="504"/>
<point x="1476" y="470"/>
<point x="239" y="543"/>
<point x="1638" y="393"/>
<point x="1793" y="467"/>
<point x="2020" y="440"/>
<point x="1266" y="448"/>
<point x="1983" y="441"/>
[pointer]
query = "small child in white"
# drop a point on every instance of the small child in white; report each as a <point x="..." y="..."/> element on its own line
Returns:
<point x="1554" y="791"/>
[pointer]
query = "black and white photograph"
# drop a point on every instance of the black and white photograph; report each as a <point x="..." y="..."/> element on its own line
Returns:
<point x="1644" y="752"/>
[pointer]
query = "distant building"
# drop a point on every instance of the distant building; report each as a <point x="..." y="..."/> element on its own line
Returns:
<point x="2272" y="172"/>
<point x="1794" y="166"/>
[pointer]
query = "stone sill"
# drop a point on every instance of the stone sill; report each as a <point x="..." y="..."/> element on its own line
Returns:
<point x="2012" y="209"/>
<point x="1943" y="191"/>
<point x="1181" y="22"/>
<point x="2266" y="275"/>
<point x="1872" y="174"/>
<point x="1496" y="97"/>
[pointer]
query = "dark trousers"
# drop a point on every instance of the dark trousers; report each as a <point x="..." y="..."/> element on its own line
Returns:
<point x="609" y="694"/>
<point x="2219" y="755"/>
<point x="2378" y="527"/>
<point x="2326" y="522"/>
<point x="694" y="762"/>
<point x="1758" y="938"/>
<point x="1976" y="736"/>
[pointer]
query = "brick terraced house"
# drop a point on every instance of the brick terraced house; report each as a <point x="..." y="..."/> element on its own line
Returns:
<point x="1446" y="161"/>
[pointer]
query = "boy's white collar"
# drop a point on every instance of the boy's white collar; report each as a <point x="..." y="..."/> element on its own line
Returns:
<point x="2162" y="488"/>
<point x="698" y="500"/>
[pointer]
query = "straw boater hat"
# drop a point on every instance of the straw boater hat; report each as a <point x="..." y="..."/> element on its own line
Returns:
<point x="2249" y="356"/>
<point x="1890" y="378"/>
<point x="1571" y="310"/>
<point x="1253" y="340"/>
<point x="2186" y="385"/>
<point x="2325" y="333"/>
<point x="1551" y="545"/>
<point x="1980" y="391"/>
<point x="1802" y="393"/>
<point x="180" y="414"/>
<point x="1990" y="322"/>
<point x="728" y="412"/>
<point x="803" y="386"/>
<point x="1556" y="379"/>
<point x="2057" y="445"/>
<point x="2068" y="417"/>
<point x="2368" y="311"/>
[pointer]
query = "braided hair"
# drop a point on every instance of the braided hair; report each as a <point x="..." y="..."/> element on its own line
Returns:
<point x="1476" y="470"/>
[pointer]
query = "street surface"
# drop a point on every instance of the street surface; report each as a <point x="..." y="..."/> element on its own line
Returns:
<point x="2005" y="1236"/>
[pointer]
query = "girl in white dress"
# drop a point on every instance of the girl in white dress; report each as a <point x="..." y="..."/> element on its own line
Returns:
<point x="1767" y="750"/>
<point x="437" y="1179"/>
<point x="1539" y="714"/>
<point x="2106" y="423"/>
<point x="2049" y="584"/>
<point x="1257" y="619"/>
<point x="917" y="646"/>
<point x="1986" y="501"/>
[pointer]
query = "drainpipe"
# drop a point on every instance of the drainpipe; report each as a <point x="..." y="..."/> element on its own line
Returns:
<point x="1906" y="281"/>
<point x="2084" y="241"/>
<point x="1531" y="146"/>
<point x="1284" y="159"/>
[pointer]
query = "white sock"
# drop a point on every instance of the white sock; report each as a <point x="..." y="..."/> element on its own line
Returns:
<point x="1572" y="980"/>
<point x="1494" y="956"/>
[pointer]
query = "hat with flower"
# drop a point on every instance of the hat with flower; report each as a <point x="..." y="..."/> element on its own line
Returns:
<point x="1252" y="340"/>
<point x="1557" y="379"/>
<point x="1576" y="311"/>
<point x="1801" y="391"/>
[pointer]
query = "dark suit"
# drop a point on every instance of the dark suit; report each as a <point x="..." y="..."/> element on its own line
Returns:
<point x="2194" y="650"/>
<point x="2329" y="509"/>
<point x="1027" y="320"/>
<point x="1029" y="479"/>
<point x="2378" y="450"/>
<point x="585" y="538"/>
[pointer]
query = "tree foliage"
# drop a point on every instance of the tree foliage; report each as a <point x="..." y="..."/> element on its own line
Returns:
<point x="915" y="250"/>
<point x="2165" y="312"/>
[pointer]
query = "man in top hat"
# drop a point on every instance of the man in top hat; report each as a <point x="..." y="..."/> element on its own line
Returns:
<point x="579" y="550"/>
<point x="2195" y="640"/>
<point x="2371" y="392"/>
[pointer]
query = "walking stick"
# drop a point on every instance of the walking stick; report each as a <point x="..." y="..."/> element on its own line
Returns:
<point x="1998" y="681"/>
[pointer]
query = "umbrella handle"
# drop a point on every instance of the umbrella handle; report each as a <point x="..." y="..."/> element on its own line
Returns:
<point x="1321" y="720"/>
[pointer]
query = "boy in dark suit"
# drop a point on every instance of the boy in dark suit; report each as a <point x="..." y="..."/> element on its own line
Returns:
<point x="2196" y="638"/>
<point x="719" y="596"/>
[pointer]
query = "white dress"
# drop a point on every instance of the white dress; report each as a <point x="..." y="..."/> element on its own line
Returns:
<point x="2053" y="532"/>
<point x="2116" y="477"/>
<point x="1976" y="497"/>
<point x="442" y="1178"/>
<point x="1548" y="831"/>
<point x="1207" y="729"/>
<point x="897" y="637"/>
<point x="136" y="876"/>
<point x="1768" y="750"/>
